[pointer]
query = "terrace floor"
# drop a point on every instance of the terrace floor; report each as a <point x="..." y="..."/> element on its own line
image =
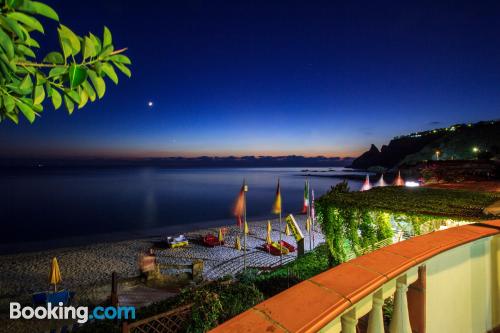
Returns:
<point x="481" y="186"/>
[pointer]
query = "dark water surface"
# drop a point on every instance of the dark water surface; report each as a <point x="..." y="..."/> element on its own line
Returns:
<point x="44" y="204"/>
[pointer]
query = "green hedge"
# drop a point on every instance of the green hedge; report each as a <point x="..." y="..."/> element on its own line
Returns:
<point x="352" y="221"/>
<point x="466" y="205"/>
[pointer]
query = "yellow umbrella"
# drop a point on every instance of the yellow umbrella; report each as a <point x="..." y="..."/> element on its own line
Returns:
<point x="55" y="273"/>
<point x="246" y="228"/>
<point x="237" y="243"/>
<point x="287" y="230"/>
<point x="268" y="237"/>
<point x="221" y="236"/>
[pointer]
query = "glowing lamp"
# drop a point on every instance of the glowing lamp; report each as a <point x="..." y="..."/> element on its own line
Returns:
<point x="412" y="184"/>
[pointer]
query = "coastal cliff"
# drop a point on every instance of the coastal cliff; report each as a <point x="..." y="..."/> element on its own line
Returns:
<point x="458" y="142"/>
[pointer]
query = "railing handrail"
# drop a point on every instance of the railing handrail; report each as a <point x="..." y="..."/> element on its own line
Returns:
<point x="330" y="294"/>
<point x="126" y="328"/>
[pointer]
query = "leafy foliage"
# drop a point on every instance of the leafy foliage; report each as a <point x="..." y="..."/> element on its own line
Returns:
<point x="304" y="267"/>
<point x="74" y="75"/>
<point x="415" y="201"/>
<point x="352" y="221"/>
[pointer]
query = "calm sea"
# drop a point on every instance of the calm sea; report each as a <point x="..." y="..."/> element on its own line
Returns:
<point x="58" y="205"/>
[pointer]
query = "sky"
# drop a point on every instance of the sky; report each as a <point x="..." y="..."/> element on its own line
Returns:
<point x="273" y="77"/>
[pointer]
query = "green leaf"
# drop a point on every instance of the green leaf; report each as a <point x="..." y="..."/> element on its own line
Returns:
<point x="55" y="58"/>
<point x="121" y="59"/>
<point x="35" y="7"/>
<point x="66" y="33"/>
<point x="97" y="43"/>
<point x="14" y="3"/>
<point x="110" y="72"/>
<point x="27" y="111"/>
<point x="107" y="38"/>
<point x="39" y="95"/>
<point x="89" y="90"/>
<point x="9" y="103"/>
<point x="32" y="43"/>
<point x="77" y="74"/>
<point x="56" y="99"/>
<point x="26" y="51"/>
<point x="98" y="82"/>
<point x="123" y="68"/>
<point x="26" y="84"/>
<point x="106" y="51"/>
<point x="66" y="47"/>
<point x="13" y="116"/>
<point x="69" y="104"/>
<point x="84" y="98"/>
<point x="28" y="21"/>
<point x="57" y="71"/>
<point x="74" y="95"/>
<point x="13" y="26"/>
<point x="89" y="48"/>
<point x="6" y="44"/>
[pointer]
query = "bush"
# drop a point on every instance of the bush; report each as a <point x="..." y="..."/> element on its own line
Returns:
<point x="275" y="284"/>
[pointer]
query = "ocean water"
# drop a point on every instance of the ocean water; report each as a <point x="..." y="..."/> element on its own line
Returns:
<point x="58" y="204"/>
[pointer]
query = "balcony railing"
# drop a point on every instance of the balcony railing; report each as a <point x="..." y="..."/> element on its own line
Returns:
<point x="445" y="281"/>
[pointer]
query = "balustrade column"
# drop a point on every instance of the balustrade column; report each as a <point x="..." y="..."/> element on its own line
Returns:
<point x="349" y="322"/>
<point x="376" y="317"/>
<point x="400" y="322"/>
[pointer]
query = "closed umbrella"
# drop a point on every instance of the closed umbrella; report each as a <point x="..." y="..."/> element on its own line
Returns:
<point x="55" y="273"/>
<point x="268" y="237"/>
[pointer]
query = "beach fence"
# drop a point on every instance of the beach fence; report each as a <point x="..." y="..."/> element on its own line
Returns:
<point x="165" y="273"/>
<point x="172" y="321"/>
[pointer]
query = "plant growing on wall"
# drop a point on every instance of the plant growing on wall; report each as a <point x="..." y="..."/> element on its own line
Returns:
<point x="73" y="75"/>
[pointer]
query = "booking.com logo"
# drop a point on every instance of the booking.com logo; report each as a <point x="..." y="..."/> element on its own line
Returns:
<point x="80" y="314"/>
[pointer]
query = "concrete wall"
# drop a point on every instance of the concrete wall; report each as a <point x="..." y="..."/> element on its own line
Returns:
<point x="463" y="288"/>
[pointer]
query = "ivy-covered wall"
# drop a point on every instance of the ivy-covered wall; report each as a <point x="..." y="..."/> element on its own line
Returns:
<point x="353" y="221"/>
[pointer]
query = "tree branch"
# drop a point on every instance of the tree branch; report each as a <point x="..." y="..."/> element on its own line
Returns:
<point x="45" y="65"/>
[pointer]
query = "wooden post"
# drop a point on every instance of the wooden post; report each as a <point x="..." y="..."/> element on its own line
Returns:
<point x="114" y="289"/>
<point x="197" y="270"/>
<point x="300" y="247"/>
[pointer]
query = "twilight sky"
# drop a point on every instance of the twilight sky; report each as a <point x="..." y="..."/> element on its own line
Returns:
<point x="274" y="77"/>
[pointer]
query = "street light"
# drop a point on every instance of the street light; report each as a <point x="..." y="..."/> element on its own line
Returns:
<point x="475" y="150"/>
<point x="437" y="155"/>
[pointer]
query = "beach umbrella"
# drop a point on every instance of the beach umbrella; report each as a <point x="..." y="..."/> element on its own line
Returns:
<point x="268" y="237"/>
<point x="237" y="243"/>
<point x="221" y="236"/>
<point x="399" y="181"/>
<point x="246" y="228"/>
<point x="55" y="273"/>
<point x="381" y="181"/>
<point x="287" y="230"/>
<point x="366" y="185"/>
<point x="277" y="210"/>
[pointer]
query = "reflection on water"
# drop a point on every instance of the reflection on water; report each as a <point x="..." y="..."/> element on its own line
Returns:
<point x="72" y="202"/>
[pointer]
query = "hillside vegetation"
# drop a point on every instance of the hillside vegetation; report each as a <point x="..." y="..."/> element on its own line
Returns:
<point x="458" y="142"/>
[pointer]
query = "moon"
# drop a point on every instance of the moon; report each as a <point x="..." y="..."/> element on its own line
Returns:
<point x="150" y="104"/>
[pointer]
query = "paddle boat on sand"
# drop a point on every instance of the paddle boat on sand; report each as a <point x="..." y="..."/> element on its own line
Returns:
<point x="276" y="249"/>
<point x="210" y="240"/>
<point x="289" y="246"/>
<point x="174" y="242"/>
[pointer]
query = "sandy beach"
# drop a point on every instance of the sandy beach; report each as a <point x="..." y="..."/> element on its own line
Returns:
<point x="86" y="267"/>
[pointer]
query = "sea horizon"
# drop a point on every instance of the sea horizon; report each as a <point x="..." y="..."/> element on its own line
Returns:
<point x="62" y="207"/>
